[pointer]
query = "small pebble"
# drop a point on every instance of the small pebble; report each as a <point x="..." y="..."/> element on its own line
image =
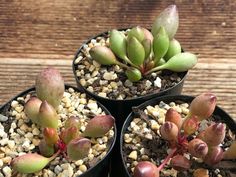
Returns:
<point x="133" y="155"/>
<point x="3" y="118"/>
<point x="7" y="171"/>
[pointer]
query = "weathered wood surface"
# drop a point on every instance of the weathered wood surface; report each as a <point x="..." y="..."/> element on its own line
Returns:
<point x="35" y="34"/>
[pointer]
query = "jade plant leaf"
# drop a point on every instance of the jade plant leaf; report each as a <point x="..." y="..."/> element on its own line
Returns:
<point x="29" y="163"/>
<point x="31" y="109"/>
<point x="146" y="169"/>
<point x="203" y="105"/>
<point x="47" y="116"/>
<point x="174" y="48"/>
<point x="45" y="149"/>
<point x="73" y="121"/>
<point x="103" y="55"/>
<point x="169" y="19"/>
<point x="118" y="44"/>
<point x="50" y="86"/>
<point x="135" y="50"/>
<point x="69" y="134"/>
<point x="99" y="126"/>
<point x="136" y="32"/>
<point x="180" y="62"/>
<point x="50" y="135"/>
<point x="133" y="74"/>
<point x="160" y="44"/>
<point x="78" y="148"/>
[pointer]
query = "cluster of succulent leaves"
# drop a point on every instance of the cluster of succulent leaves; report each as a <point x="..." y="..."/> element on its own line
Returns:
<point x="142" y="52"/>
<point x="70" y="142"/>
<point x="204" y="144"/>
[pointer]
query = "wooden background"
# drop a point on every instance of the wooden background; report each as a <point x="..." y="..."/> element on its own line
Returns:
<point x="36" y="34"/>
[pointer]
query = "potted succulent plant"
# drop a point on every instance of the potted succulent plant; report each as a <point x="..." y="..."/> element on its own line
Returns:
<point x="179" y="136"/>
<point x="54" y="130"/>
<point x="124" y="68"/>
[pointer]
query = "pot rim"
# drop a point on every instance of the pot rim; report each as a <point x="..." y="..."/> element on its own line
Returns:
<point x="169" y="98"/>
<point x="115" y="100"/>
<point x="87" y="96"/>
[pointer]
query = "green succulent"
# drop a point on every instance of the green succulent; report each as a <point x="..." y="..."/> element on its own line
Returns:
<point x="69" y="141"/>
<point x="140" y="52"/>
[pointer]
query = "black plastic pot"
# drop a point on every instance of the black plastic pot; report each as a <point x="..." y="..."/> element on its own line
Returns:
<point x="101" y="168"/>
<point x="219" y="113"/>
<point x="121" y="108"/>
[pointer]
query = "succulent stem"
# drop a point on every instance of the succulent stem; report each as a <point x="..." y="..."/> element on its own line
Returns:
<point x="154" y="69"/>
<point x="166" y="160"/>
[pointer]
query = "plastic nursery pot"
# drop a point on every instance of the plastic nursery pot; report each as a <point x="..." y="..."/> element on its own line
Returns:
<point x="121" y="108"/>
<point x="218" y="113"/>
<point x="100" y="168"/>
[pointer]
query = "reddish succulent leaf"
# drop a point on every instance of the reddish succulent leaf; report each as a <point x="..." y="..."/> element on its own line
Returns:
<point x="198" y="148"/>
<point x="32" y="108"/>
<point x="169" y="131"/>
<point x="50" y="135"/>
<point x="68" y="134"/>
<point x="214" y="134"/>
<point x="72" y="121"/>
<point x="180" y="163"/>
<point x="146" y="169"/>
<point x="50" y="86"/>
<point x="173" y="116"/>
<point x="78" y="148"/>
<point x="45" y="149"/>
<point x="47" y="116"/>
<point x="190" y="125"/>
<point x="214" y="156"/>
<point x="203" y="105"/>
<point x="99" y="126"/>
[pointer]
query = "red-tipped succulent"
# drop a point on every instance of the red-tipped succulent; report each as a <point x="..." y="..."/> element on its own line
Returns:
<point x="185" y="138"/>
<point x="70" y="142"/>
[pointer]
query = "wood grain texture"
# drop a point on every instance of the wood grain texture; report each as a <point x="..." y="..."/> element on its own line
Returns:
<point x="36" y="34"/>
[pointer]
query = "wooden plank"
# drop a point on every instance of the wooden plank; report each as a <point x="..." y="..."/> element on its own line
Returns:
<point x="55" y="29"/>
<point x="19" y="74"/>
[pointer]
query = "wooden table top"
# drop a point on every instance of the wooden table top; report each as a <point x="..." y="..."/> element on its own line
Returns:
<point x="37" y="34"/>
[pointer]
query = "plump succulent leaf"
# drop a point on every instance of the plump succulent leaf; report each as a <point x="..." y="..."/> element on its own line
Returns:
<point x="69" y="134"/>
<point x="180" y="163"/>
<point x="169" y="19"/>
<point x="29" y="163"/>
<point x="198" y="148"/>
<point x="161" y="62"/>
<point x="147" y="34"/>
<point x="50" y="86"/>
<point x="174" y="48"/>
<point x="214" y="156"/>
<point x="190" y="125"/>
<point x="230" y="153"/>
<point x="50" y="135"/>
<point x="118" y="44"/>
<point x="47" y="116"/>
<point x="160" y="44"/>
<point x="133" y="74"/>
<point x="103" y="55"/>
<point x="146" y="169"/>
<point x="203" y="105"/>
<point x="78" y="148"/>
<point x="147" y="45"/>
<point x="136" y="32"/>
<point x="180" y="62"/>
<point x="73" y="121"/>
<point x="215" y="134"/>
<point x="169" y="131"/>
<point x="173" y="116"/>
<point x="135" y="50"/>
<point x="45" y="149"/>
<point x="99" y="126"/>
<point x="32" y="109"/>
